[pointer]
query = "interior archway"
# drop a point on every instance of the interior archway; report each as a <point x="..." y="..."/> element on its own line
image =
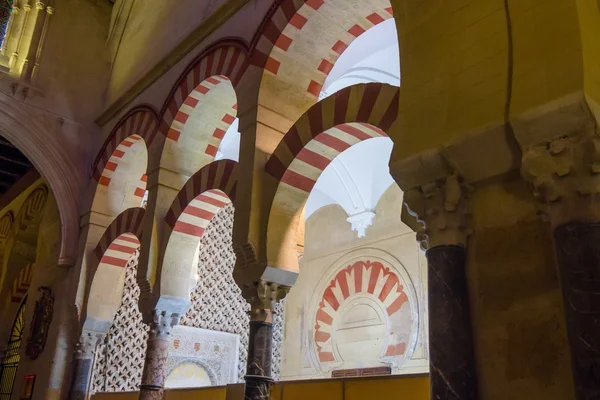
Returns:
<point x="204" y="128"/>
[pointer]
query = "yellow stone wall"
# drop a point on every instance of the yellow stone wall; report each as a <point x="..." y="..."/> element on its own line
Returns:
<point x="413" y="387"/>
<point x="518" y="319"/>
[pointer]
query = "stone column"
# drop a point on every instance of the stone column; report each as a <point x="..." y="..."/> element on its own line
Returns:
<point x="442" y="210"/>
<point x="565" y="174"/>
<point x="260" y="342"/>
<point x="85" y="352"/>
<point x="157" y="354"/>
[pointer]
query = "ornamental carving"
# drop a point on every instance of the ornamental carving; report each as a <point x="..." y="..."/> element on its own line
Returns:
<point x="40" y="323"/>
<point x="565" y="175"/>
<point x="442" y="209"/>
<point x="363" y="317"/>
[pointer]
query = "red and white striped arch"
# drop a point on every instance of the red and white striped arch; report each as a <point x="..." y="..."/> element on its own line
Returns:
<point x="128" y="223"/>
<point x="331" y="126"/>
<point x="229" y="61"/>
<point x="300" y="43"/>
<point x="362" y="277"/>
<point x="120" y="168"/>
<point x="203" y="196"/>
<point x="116" y="247"/>
<point x="209" y="190"/>
<point x="141" y="122"/>
<point x="201" y="107"/>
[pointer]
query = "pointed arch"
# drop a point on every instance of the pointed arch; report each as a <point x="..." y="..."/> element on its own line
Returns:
<point x="352" y="115"/>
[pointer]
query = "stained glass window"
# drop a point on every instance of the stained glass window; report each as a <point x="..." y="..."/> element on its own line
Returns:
<point x="5" y="11"/>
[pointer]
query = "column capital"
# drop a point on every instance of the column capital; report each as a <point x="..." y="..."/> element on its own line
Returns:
<point x="86" y="346"/>
<point x="565" y="175"/>
<point x="162" y="324"/>
<point x="261" y="296"/>
<point x="442" y="209"/>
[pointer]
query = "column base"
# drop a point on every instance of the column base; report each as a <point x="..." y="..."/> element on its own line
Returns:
<point x="150" y="392"/>
<point x="257" y="387"/>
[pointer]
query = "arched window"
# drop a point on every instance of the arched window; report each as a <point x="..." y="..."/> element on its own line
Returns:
<point x="10" y="359"/>
<point x="5" y="12"/>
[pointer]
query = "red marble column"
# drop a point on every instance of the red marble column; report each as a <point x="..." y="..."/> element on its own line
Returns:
<point x="157" y="355"/>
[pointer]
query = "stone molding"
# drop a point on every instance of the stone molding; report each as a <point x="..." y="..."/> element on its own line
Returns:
<point x="442" y="209"/>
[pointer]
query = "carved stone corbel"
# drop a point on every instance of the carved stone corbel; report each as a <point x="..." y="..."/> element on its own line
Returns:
<point x="442" y="210"/>
<point x="565" y="175"/>
<point x="262" y="296"/>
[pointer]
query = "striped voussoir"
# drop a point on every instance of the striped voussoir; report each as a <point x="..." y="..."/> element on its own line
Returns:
<point x="328" y="128"/>
<point x="120" y="237"/>
<point x="285" y="24"/>
<point x="341" y="44"/>
<point x="113" y="162"/>
<point x="141" y="122"/>
<point x="195" y="100"/>
<point x="228" y="62"/>
<point x="361" y="277"/>
<point x="204" y="194"/>
<point x="5" y="225"/>
<point x="287" y="14"/>
<point x="21" y="284"/>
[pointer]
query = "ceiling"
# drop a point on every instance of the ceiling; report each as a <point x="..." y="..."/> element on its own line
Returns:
<point x="13" y="165"/>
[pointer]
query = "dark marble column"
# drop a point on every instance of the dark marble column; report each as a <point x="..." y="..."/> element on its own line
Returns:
<point x="84" y="364"/>
<point x="451" y="355"/>
<point x="260" y="348"/>
<point x="578" y="254"/>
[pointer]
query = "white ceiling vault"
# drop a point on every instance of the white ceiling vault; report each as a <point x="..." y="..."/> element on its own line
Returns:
<point x="357" y="178"/>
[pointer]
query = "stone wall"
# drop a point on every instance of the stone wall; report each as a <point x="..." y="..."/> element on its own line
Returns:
<point x="358" y="302"/>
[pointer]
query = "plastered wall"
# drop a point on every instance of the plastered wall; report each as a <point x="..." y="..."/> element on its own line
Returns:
<point x="329" y="243"/>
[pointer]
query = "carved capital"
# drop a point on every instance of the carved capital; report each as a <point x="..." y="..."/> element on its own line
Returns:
<point x="50" y="10"/>
<point x="565" y="175"/>
<point x="162" y="324"/>
<point x="262" y="296"/>
<point x="40" y="6"/>
<point x="88" y="342"/>
<point x="442" y="210"/>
